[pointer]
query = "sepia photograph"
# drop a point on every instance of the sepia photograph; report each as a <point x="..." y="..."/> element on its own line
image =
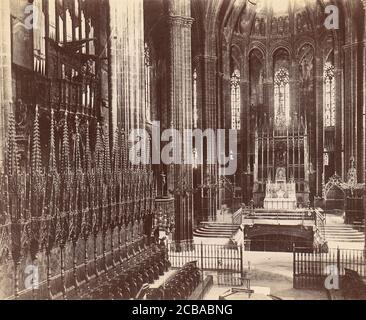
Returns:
<point x="182" y="150"/>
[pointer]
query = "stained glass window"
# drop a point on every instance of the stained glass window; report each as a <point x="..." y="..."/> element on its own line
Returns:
<point x="329" y="95"/>
<point x="235" y="100"/>
<point x="282" y="97"/>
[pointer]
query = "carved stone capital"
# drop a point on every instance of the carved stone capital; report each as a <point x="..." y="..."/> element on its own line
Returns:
<point x="180" y="21"/>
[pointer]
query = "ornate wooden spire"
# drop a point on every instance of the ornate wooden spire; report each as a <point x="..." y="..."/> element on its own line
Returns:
<point x="77" y="146"/>
<point x="116" y="152"/>
<point x="88" y="154"/>
<point x="52" y="161"/>
<point x="12" y="156"/>
<point x="36" y="146"/>
<point x="65" y="154"/>
<point x="99" y="151"/>
<point x="107" y="153"/>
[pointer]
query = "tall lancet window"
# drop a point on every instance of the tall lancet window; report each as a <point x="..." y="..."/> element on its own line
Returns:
<point x="195" y="110"/>
<point x="69" y="26"/>
<point x="91" y="36"/>
<point x="39" y="44"/>
<point x="148" y="70"/>
<point x="52" y="19"/>
<point x="329" y="95"/>
<point x="83" y="30"/>
<point x="77" y="19"/>
<point x="282" y="97"/>
<point x="235" y="100"/>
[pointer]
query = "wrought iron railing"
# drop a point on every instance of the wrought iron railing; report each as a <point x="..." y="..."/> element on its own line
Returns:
<point x="208" y="256"/>
<point x="310" y="269"/>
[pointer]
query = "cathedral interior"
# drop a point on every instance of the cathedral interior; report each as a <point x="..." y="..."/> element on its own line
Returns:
<point x="81" y="219"/>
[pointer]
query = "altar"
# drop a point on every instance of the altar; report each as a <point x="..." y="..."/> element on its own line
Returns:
<point x="280" y="195"/>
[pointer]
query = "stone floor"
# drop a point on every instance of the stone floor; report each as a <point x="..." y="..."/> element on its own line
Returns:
<point x="270" y="272"/>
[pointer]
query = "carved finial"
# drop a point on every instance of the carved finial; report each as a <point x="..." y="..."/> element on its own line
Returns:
<point x="107" y="153"/>
<point x="99" y="150"/>
<point x="77" y="146"/>
<point x="65" y="147"/>
<point x="116" y="151"/>
<point x="124" y="149"/>
<point x="52" y="161"/>
<point x="36" y="147"/>
<point x="88" y="156"/>
<point x="12" y="156"/>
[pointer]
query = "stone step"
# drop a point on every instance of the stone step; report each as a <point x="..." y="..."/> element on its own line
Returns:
<point x="355" y="236"/>
<point x="335" y="226"/>
<point x="215" y="230"/>
<point x="220" y="227"/>
<point x="342" y="233"/>
<point x="345" y="240"/>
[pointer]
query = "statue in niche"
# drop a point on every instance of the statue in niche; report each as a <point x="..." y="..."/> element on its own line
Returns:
<point x="352" y="174"/>
<point x="262" y="27"/>
<point x="306" y="68"/>
<point x="274" y="26"/>
<point x="298" y="22"/>
<point x="245" y="24"/>
<point x="305" y="22"/>
<point x="280" y="26"/>
<point x="280" y="158"/>
<point x="281" y="175"/>
<point x="302" y="22"/>
<point x="257" y="27"/>
<point x="286" y="25"/>
<point x="280" y="155"/>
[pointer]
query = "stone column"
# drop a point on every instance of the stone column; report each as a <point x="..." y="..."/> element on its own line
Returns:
<point x="319" y="134"/>
<point x="180" y="104"/>
<point x="127" y="63"/>
<point x="339" y="144"/>
<point x="362" y="144"/>
<point x="208" y="68"/>
<point x="245" y="131"/>
<point x="350" y="94"/>
<point x="364" y="114"/>
<point x="5" y="73"/>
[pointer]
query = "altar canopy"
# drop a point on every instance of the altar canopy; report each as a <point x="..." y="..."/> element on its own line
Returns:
<point x="281" y="171"/>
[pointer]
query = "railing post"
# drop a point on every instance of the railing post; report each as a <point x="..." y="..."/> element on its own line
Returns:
<point x="241" y="263"/>
<point x="338" y="262"/>
<point x="293" y="266"/>
<point x="202" y="260"/>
